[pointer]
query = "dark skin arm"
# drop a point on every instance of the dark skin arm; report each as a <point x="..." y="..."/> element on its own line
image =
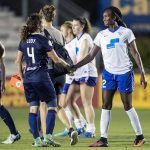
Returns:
<point x="135" y="54"/>
<point x="87" y="59"/>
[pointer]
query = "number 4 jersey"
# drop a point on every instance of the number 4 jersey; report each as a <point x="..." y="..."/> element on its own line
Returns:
<point x="35" y="50"/>
<point x="114" y="47"/>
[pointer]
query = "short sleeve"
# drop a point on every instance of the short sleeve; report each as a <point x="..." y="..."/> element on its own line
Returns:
<point x="130" y="36"/>
<point x="97" y="40"/>
<point x="47" y="45"/>
<point x="20" y="46"/>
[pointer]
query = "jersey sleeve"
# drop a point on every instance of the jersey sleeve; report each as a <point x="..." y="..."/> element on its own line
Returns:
<point x="47" y="45"/>
<point x="130" y="36"/>
<point x="20" y="47"/>
<point x="97" y="40"/>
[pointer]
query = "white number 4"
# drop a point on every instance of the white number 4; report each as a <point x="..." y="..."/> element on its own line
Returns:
<point x="31" y="54"/>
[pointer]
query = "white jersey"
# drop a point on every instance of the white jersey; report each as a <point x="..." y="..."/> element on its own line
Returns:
<point x="88" y="70"/>
<point x="114" y="49"/>
<point x="70" y="47"/>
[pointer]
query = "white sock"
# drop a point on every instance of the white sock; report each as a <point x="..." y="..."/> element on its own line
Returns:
<point x="78" y="123"/>
<point x="69" y="115"/>
<point x="90" y="128"/>
<point x="83" y="121"/>
<point x="104" y="122"/>
<point x="134" y="121"/>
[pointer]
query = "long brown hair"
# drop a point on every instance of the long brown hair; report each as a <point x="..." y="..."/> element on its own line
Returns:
<point x="1" y="50"/>
<point x="32" y="24"/>
<point x="85" y="22"/>
<point x="48" y="12"/>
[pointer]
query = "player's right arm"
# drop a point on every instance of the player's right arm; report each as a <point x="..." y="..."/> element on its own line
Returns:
<point x="18" y="63"/>
<point x="52" y="54"/>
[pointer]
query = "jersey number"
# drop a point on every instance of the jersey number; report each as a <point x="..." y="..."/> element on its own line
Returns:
<point x="104" y="82"/>
<point x="30" y="53"/>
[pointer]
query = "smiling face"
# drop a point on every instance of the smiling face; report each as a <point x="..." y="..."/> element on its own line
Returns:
<point x="77" y="27"/>
<point x="108" y="18"/>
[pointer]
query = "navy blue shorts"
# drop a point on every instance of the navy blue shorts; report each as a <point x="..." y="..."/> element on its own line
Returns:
<point x="90" y="81"/>
<point x="40" y="91"/>
<point x="123" y="82"/>
<point x="65" y="88"/>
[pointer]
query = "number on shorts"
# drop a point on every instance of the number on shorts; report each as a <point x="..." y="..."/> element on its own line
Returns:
<point x="31" y="54"/>
<point x="104" y="82"/>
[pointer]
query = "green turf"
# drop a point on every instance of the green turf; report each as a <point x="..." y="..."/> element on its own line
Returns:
<point x="121" y="135"/>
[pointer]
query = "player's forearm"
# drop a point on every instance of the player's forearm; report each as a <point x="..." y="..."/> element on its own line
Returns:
<point x="86" y="60"/>
<point x="62" y="62"/>
<point x="138" y="61"/>
<point x="20" y="70"/>
<point x="3" y="73"/>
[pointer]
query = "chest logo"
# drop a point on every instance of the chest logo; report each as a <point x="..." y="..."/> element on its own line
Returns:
<point x="112" y="43"/>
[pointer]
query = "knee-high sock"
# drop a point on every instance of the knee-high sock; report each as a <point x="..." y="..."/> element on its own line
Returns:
<point x="6" y="117"/>
<point x="50" y="121"/>
<point x="134" y="121"/>
<point x="104" y="122"/>
<point x="69" y="115"/>
<point x="33" y="124"/>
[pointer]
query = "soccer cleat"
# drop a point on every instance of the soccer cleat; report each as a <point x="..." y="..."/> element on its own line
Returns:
<point x="38" y="143"/>
<point x="99" y="143"/>
<point x="50" y="142"/>
<point x="62" y="133"/>
<point x="87" y="135"/>
<point x="12" y="138"/>
<point x="139" y="142"/>
<point x="74" y="138"/>
<point x="80" y="130"/>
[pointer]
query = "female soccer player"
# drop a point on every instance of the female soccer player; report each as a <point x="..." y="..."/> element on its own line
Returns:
<point x="66" y="29"/>
<point x="48" y="13"/>
<point x="85" y="77"/>
<point x="35" y="48"/>
<point x="4" y="114"/>
<point x="115" y="42"/>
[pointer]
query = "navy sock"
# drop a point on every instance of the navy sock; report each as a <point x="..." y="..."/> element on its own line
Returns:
<point x="50" y="121"/>
<point x="33" y="124"/>
<point x="39" y="121"/>
<point x="6" y="117"/>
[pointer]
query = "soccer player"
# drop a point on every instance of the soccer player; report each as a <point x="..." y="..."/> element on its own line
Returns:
<point x="85" y="77"/>
<point x="35" y="49"/>
<point x="48" y="13"/>
<point x="66" y="29"/>
<point x="115" y="43"/>
<point x="4" y="114"/>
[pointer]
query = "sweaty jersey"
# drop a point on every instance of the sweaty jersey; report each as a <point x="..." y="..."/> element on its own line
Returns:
<point x="70" y="47"/>
<point x="114" y="49"/>
<point x="35" y="50"/>
<point x="90" y="68"/>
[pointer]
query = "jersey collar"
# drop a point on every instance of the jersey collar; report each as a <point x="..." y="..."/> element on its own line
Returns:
<point x="114" y="30"/>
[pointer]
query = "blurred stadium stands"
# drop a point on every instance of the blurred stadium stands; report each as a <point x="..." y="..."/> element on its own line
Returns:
<point x="12" y="15"/>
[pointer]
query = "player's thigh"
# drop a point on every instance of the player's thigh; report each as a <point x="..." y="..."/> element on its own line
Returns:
<point x="70" y="97"/>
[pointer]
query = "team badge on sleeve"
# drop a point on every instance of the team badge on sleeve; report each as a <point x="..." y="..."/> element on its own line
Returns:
<point x="50" y="43"/>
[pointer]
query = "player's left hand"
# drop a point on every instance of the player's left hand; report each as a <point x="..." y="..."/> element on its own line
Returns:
<point x="3" y="87"/>
<point x="143" y="80"/>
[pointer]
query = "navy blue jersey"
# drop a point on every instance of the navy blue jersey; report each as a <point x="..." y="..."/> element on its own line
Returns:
<point x="35" y="50"/>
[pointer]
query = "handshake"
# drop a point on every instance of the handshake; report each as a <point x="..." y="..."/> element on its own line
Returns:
<point x="71" y="68"/>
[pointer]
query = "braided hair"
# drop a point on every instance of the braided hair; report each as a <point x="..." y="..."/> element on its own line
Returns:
<point x="117" y="13"/>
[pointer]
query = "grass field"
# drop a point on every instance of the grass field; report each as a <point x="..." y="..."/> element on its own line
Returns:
<point x="121" y="135"/>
